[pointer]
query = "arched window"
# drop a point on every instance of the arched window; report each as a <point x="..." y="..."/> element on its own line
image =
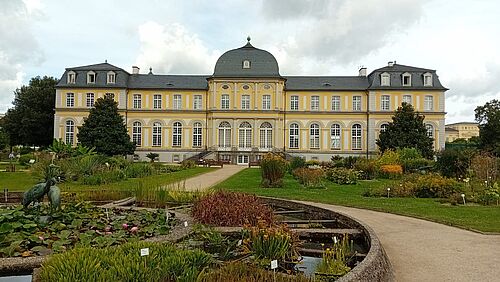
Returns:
<point x="137" y="133"/>
<point x="224" y="134"/>
<point x="70" y="132"/>
<point x="335" y="136"/>
<point x="294" y="136"/>
<point x="356" y="137"/>
<point x="430" y="130"/>
<point x="245" y="135"/>
<point x="266" y="135"/>
<point x="197" y="134"/>
<point x="157" y="134"/>
<point x="314" y="136"/>
<point x="384" y="127"/>
<point x="177" y="134"/>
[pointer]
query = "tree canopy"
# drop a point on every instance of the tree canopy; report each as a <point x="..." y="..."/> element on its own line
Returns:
<point x="407" y="130"/>
<point x="31" y="120"/>
<point x="488" y="117"/>
<point x="105" y="130"/>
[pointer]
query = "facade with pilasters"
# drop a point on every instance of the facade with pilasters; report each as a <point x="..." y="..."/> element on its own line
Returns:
<point x="246" y="108"/>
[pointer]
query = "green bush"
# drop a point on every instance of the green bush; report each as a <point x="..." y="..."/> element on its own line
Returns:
<point x="454" y="162"/>
<point x="426" y="186"/>
<point x="138" y="170"/>
<point x="367" y="168"/>
<point x="295" y="163"/>
<point x="25" y="159"/>
<point x="342" y="175"/>
<point x="105" y="177"/>
<point x="310" y="177"/>
<point x="125" y="263"/>
<point x="411" y="165"/>
<point x="188" y="164"/>
<point x="273" y="168"/>
<point x="389" y="157"/>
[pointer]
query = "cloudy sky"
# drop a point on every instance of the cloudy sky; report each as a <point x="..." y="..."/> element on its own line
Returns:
<point x="460" y="39"/>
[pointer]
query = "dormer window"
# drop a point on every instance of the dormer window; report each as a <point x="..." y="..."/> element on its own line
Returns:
<point x="427" y="79"/>
<point x="111" y="77"/>
<point x="406" y="79"/>
<point x="91" y="77"/>
<point x="246" y="64"/>
<point x="385" y="79"/>
<point x="71" y="77"/>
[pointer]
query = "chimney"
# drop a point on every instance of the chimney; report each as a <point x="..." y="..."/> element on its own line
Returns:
<point x="135" y="70"/>
<point x="391" y="63"/>
<point x="362" y="71"/>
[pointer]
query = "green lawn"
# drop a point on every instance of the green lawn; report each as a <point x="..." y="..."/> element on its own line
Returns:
<point x="21" y="181"/>
<point x="482" y="218"/>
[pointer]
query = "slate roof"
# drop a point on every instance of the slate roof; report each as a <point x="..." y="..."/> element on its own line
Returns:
<point x="101" y="70"/>
<point x="326" y="83"/>
<point x="396" y="72"/>
<point x="152" y="81"/>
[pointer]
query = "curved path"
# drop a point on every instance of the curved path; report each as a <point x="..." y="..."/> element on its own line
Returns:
<point x="421" y="250"/>
<point x="209" y="179"/>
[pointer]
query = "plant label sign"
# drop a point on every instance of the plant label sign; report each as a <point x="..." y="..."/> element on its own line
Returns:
<point x="274" y="264"/>
<point x="145" y="252"/>
<point x="185" y="224"/>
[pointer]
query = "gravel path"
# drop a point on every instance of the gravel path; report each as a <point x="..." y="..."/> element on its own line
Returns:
<point x="421" y="250"/>
<point x="207" y="180"/>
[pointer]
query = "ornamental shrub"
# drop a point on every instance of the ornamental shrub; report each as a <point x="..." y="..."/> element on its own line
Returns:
<point x="295" y="163"/>
<point x="426" y="186"/>
<point x="454" y="162"/>
<point x="342" y="175"/>
<point x="367" y="168"/>
<point x="390" y="171"/>
<point x="231" y="209"/>
<point x="273" y="168"/>
<point x="309" y="177"/>
<point x="389" y="157"/>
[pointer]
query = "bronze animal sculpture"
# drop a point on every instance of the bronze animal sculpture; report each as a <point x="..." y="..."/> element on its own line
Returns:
<point x="37" y="192"/>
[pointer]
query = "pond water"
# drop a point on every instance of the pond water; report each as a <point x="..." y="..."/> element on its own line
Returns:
<point x="20" y="278"/>
<point x="308" y="265"/>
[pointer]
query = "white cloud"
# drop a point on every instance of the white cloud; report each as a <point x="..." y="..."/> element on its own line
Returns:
<point x="173" y="49"/>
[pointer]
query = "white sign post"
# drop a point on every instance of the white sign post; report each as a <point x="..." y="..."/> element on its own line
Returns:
<point x="274" y="265"/>
<point x="145" y="253"/>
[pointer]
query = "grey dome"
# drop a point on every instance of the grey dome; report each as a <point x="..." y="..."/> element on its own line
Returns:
<point x="262" y="63"/>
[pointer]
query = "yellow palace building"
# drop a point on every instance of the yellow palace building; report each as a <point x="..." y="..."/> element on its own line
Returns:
<point x="247" y="108"/>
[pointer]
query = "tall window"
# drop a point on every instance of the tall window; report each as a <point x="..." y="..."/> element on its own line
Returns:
<point x="428" y="103"/>
<point x="111" y="77"/>
<point x="385" y="79"/>
<point x="110" y="95"/>
<point x="294" y="103"/>
<point x="356" y="103"/>
<point x="294" y="136"/>
<point x="224" y="102"/>
<point x="137" y="101"/>
<point x="70" y="100"/>
<point x="406" y="79"/>
<point x="430" y="130"/>
<point x="407" y="99"/>
<point x="314" y="103"/>
<point x="245" y="135"/>
<point x="157" y="134"/>
<point x="177" y="102"/>
<point x="245" y="102"/>
<point x="224" y="134"/>
<point x="266" y="102"/>
<point x="266" y="135"/>
<point x="385" y="103"/>
<point x="157" y="101"/>
<point x="70" y="132"/>
<point x="314" y="136"/>
<point x="356" y="137"/>
<point x="137" y="133"/>
<point x="177" y="134"/>
<point x="90" y="100"/>
<point x="335" y="136"/>
<point x="197" y="134"/>
<point x="197" y="102"/>
<point x="335" y="103"/>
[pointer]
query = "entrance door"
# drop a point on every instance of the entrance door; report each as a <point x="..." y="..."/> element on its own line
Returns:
<point x="243" y="159"/>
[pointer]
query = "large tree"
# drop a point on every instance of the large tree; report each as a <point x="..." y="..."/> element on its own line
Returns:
<point x="31" y="120"/>
<point x="407" y="130"/>
<point x="488" y="117"/>
<point x="105" y="130"/>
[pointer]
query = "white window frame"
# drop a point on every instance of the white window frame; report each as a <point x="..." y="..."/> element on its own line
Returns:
<point x="224" y="135"/>
<point x="427" y="79"/>
<point x="266" y="102"/>
<point x="385" y="103"/>
<point x="385" y="79"/>
<point x="137" y="133"/>
<point x="356" y="103"/>
<point x="90" y="100"/>
<point x="335" y="103"/>
<point x="91" y="77"/>
<point x="336" y="136"/>
<point x="112" y="95"/>
<point x="197" y="102"/>
<point x="137" y="101"/>
<point x="69" y="135"/>
<point x="70" y="100"/>
<point x="177" y="105"/>
<point x="245" y="135"/>
<point x="294" y="103"/>
<point x="224" y="102"/>
<point x="157" y="101"/>
<point x="383" y="127"/>
<point x="245" y="102"/>
<point x="356" y="137"/>
<point x="406" y="75"/>
<point x="294" y="136"/>
<point x="177" y="134"/>
<point x="407" y="99"/>
<point x="111" y="77"/>
<point x="246" y="64"/>
<point x="266" y="135"/>
<point x="71" y="77"/>
<point x="428" y="103"/>
<point x="197" y="134"/>
<point x="430" y="130"/>
<point x="314" y="136"/>
<point x="156" y="133"/>
<point x="315" y="103"/>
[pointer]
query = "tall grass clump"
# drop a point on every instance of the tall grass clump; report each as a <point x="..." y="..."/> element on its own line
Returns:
<point x="335" y="260"/>
<point x="137" y="170"/>
<point x="162" y="195"/>
<point x="273" y="168"/>
<point x="248" y="273"/>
